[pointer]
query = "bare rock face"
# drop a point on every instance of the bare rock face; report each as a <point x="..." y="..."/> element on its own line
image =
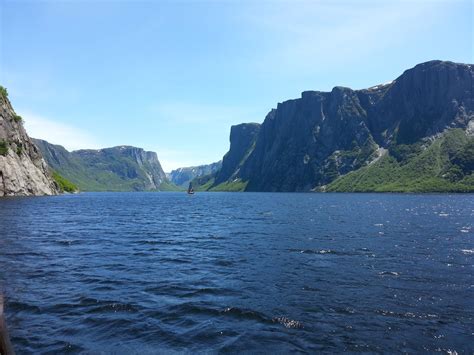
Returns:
<point x="23" y="172"/>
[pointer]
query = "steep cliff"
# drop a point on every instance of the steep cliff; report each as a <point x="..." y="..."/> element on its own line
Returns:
<point x="23" y="172"/>
<point x="122" y="168"/>
<point x="307" y="143"/>
<point x="308" y="140"/>
<point x="242" y="143"/>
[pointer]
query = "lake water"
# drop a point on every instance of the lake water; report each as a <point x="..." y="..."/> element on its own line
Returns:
<point x="263" y="272"/>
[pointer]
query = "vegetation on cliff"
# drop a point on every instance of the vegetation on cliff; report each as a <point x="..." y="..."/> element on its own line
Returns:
<point x="3" y="92"/>
<point x="64" y="184"/>
<point x="3" y="147"/>
<point x="445" y="164"/>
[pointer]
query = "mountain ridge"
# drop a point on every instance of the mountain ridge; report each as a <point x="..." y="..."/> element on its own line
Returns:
<point x="309" y="142"/>
<point x="182" y="176"/>
<point x="120" y="168"/>
<point x="340" y="140"/>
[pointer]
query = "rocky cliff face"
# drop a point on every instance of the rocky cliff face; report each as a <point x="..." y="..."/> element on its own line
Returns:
<point x="23" y="172"/>
<point x="309" y="142"/>
<point x="305" y="140"/>
<point x="242" y="143"/>
<point x="183" y="176"/>
<point x="126" y="162"/>
<point x="122" y="168"/>
<point x="421" y="102"/>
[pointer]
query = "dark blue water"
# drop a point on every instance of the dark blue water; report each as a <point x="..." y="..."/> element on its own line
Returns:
<point x="168" y="272"/>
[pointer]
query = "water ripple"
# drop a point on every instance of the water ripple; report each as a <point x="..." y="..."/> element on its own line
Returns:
<point x="239" y="273"/>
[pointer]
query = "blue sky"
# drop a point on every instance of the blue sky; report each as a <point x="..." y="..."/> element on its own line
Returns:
<point x="173" y="76"/>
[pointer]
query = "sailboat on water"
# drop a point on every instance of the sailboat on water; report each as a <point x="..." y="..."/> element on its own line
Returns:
<point x="190" y="189"/>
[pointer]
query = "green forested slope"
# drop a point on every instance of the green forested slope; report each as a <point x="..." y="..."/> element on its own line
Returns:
<point x="444" y="165"/>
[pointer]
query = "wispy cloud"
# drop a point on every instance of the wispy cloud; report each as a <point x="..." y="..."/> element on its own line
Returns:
<point x="56" y="132"/>
<point x="333" y="33"/>
<point x="192" y="113"/>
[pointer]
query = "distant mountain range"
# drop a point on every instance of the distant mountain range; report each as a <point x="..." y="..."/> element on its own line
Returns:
<point x="414" y="134"/>
<point x="182" y="176"/>
<point x="122" y="168"/>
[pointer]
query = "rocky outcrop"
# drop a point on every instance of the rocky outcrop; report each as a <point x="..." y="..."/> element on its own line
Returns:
<point x="308" y="142"/>
<point x="23" y="172"/>
<point x="122" y="168"/>
<point x="183" y="176"/>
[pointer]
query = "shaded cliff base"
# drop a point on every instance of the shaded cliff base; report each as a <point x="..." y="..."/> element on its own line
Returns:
<point x="441" y="164"/>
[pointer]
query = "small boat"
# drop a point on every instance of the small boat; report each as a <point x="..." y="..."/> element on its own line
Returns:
<point x="190" y="189"/>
